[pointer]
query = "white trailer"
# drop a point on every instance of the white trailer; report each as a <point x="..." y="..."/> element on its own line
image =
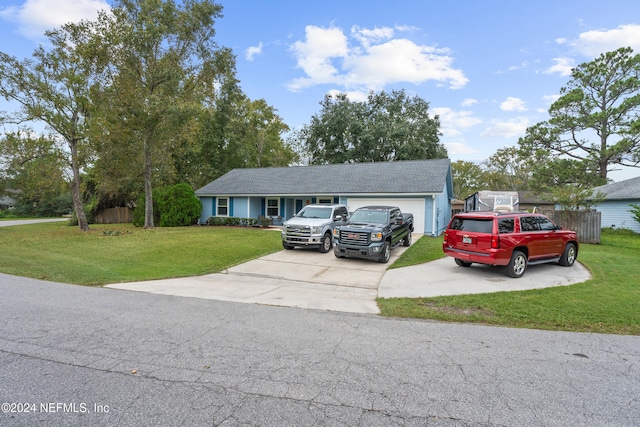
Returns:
<point x="499" y="201"/>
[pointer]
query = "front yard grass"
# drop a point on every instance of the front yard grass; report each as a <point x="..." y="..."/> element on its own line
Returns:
<point x="608" y="303"/>
<point x="122" y="253"/>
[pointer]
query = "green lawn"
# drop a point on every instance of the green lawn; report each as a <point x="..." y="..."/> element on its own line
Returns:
<point x="608" y="303"/>
<point x="120" y="253"/>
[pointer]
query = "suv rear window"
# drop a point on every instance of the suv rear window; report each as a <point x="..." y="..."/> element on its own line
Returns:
<point x="472" y="225"/>
<point x="505" y="225"/>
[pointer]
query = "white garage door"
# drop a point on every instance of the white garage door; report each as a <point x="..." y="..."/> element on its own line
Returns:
<point x="414" y="206"/>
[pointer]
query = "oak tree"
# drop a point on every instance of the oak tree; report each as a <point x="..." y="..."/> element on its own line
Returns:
<point x="387" y="127"/>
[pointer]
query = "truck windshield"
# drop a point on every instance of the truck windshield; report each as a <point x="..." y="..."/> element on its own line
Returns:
<point x="364" y="216"/>
<point x="323" y="213"/>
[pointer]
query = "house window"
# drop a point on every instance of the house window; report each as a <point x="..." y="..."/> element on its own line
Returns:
<point x="273" y="207"/>
<point x="325" y="200"/>
<point x="223" y="207"/>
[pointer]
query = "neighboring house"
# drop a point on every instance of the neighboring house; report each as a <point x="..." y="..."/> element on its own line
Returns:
<point x="6" y="202"/>
<point x="421" y="187"/>
<point x="619" y="196"/>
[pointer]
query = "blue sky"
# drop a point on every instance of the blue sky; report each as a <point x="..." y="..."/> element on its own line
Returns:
<point x="488" y="68"/>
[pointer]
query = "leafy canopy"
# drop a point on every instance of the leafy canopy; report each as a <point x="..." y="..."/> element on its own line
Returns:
<point x="387" y="127"/>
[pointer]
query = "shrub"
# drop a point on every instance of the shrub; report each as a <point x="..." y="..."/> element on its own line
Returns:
<point x="264" y="221"/>
<point x="173" y="206"/>
<point x="635" y="211"/>
<point x="233" y="221"/>
<point x="216" y="220"/>
<point x="179" y="206"/>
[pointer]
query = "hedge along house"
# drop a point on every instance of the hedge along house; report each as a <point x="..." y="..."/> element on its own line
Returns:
<point x="421" y="187"/>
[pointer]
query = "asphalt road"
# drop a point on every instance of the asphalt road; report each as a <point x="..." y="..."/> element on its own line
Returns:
<point x="80" y="356"/>
<point x="9" y="223"/>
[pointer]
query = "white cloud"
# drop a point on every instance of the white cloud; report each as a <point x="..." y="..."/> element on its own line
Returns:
<point x="458" y="148"/>
<point x="316" y="54"/>
<point x="354" y="96"/>
<point x="562" y="66"/>
<point x="513" y="104"/>
<point x="469" y="102"/>
<point x="34" y="17"/>
<point x="369" y="60"/>
<point x="521" y="66"/>
<point x="451" y="122"/>
<point x="507" y="129"/>
<point x="367" y="36"/>
<point x="593" y="43"/>
<point x="253" y="51"/>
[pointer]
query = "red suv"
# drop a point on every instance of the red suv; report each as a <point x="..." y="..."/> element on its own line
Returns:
<point x="511" y="239"/>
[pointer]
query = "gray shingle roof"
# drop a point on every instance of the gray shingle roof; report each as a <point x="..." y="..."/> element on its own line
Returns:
<point x="415" y="176"/>
<point x="627" y="189"/>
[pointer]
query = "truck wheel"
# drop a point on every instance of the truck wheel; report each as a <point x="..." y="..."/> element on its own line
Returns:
<point x="569" y="255"/>
<point x="385" y="254"/>
<point x="326" y="244"/>
<point x="407" y="240"/>
<point x="462" y="263"/>
<point x="517" y="265"/>
<point x="287" y="246"/>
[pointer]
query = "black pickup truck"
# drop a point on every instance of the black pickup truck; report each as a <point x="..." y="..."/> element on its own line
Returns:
<point x="372" y="232"/>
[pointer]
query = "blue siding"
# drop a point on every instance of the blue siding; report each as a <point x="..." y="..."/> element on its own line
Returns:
<point x="615" y="213"/>
<point x="240" y="207"/>
<point x="208" y="205"/>
<point x="256" y="207"/>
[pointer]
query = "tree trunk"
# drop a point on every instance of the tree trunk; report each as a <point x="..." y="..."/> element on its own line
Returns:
<point x="75" y="188"/>
<point x="148" y="189"/>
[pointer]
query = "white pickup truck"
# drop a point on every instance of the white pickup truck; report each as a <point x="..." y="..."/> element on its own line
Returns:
<point x="313" y="226"/>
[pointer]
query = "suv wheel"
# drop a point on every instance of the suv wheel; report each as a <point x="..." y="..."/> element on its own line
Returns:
<point x="462" y="263"/>
<point x="385" y="254"/>
<point x="287" y="246"/>
<point x="569" y="255"/>
<point x="517" y="265"/>
<point x="325" y="246"/>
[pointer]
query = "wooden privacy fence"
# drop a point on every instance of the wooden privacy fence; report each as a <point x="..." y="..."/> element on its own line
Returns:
<point x="586" y="223"/>
<point x="114" y="216"/>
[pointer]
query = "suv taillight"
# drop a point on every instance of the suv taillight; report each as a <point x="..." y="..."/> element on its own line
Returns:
<point x="495" y="241"/>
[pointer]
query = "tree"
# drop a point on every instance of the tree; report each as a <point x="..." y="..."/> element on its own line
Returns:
<point x="54" y="88"/>
<point x="596" y="120"/>
<point x="239" y="133"/>
<point x="507" y="169"/>
<point x="34" y="165"/>
<point x="467" y="178"/>
<point x="166" y="63"/>
<point x="387" y="127"/>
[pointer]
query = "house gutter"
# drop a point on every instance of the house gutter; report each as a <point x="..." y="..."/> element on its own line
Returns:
<point x="434" y="210"/>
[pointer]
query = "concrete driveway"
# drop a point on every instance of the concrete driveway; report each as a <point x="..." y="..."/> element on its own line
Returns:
<point x="301" y="278"/>
<point x="305" y="278"/>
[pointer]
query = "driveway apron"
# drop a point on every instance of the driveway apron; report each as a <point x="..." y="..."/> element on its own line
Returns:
<point x="301" y="278"/>
<point x="305" y="278"/>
